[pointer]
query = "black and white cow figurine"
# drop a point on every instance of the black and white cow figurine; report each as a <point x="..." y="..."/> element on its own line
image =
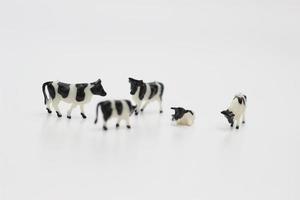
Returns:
<point x="235" y="114"/>
<point x="144" y="93"/>
<point x="183" y="117"/>
<point x="74" y="94"/>
<point x="120" y="109"/>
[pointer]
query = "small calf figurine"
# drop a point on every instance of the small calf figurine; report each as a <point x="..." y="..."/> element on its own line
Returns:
<point x="236" y="111"/>
<point x="183" y="117"/>
<point x="120" y="109"/>
<point x="144" y="93"/>
<point x="74" y="94"/>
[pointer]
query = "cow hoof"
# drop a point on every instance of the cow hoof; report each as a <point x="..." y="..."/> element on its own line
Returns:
<point x="243" y="122"/>
<point x="142" y="110"/>
<point x="231" y="125"/>
<point x="69" y="117"/>
<point x="83" y="115"/>
<point x="136" y="113"/>
<point x="58" y="114"/>
<point x="104" y="128"/>
<point x="49" y="111"/>
<point x="117" y="125"/>
<point x="237" y="127"/>
<point x="161" y="111"/>
<point x="128" y="126"/>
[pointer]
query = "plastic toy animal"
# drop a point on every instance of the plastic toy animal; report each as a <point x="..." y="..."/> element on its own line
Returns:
<point x="120" y="109"/>
<point x="236" y="111"/>
<point x="183" y="117"/>
<point x="144" y="93"/>
<point x="74" y="94"/>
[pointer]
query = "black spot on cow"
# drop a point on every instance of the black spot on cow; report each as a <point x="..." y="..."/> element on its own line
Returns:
<point x="51" y="90"/>
<point x="130" y="106"/>
<point x="80" y="95"/>
<point x="63" y="89"/>
<point x="143" y="89"/>
<point x="119" y="107"/>
<point x="106" y="108"/>
<point x="154" y="89"/>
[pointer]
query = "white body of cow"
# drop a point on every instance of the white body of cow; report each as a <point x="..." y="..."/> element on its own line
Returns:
<point x="187" y="119"/>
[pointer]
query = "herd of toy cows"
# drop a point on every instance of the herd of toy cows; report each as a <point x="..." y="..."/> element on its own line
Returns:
<point x="142" y="94"/>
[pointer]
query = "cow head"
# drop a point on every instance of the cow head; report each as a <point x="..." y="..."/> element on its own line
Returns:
<point x="179" y="112"/>
<point x="97" y="88"/>
<point x="229" y="115"/>
<point x="134" y="85"/>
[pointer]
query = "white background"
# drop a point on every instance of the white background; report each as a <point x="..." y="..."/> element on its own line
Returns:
<point x="203" y="51"/>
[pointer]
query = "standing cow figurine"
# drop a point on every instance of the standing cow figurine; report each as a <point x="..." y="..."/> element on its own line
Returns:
<point x="144" y="93"/>
<point x="120" y="109"/>
<point x="235" y="114"/>
<point x="183" y="117"/>
<point x="74" y="94"/>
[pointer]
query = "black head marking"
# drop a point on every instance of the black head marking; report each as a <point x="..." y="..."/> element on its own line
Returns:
<point x="134" y="84"/>
<point x="97" y="88"/>
<point x="179" y="112"/>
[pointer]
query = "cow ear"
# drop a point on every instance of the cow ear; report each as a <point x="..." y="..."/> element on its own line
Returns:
<point x="130" y="80"/>
<point x="98" y="81"/>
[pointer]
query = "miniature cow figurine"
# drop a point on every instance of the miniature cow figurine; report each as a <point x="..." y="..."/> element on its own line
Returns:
<point x="144" y="93"/>
<point x="120" y="109"/>
<point x="74" y="94"/>
<point x="183" y="117"/>
<point x="236" y="111"/>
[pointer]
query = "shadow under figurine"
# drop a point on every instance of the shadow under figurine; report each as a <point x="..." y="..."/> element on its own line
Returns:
<point x="183" y="117"/>
<point x="235" y="114"/>
<point x="74" y="94"/>
<point x="120" y="109"/>
<point x="144" y="93"/>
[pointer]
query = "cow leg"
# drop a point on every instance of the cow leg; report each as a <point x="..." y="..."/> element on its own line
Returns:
<point x="128" y="123"/>
<point x="105" y="125"/>
<point x="48" y="105"/>
<point x="145" y="105"/>
<point x="160" y="106"/>
<point x="70" y="110"/>
<point x="238" y="121"/>
<point x="82" y="111"/>
<point x="138" y="107"/>
<point x="244" y="120"/>
<point x="118" y="122"/>
<point x="56" y="108"/>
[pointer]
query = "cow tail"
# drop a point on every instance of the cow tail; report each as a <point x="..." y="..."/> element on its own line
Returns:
<point x="97" y="111"/>
<point x="162" y="90"/>
<point x="44" y="92"/>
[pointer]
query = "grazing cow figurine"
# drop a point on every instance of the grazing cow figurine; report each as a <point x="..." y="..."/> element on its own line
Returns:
<point x="74" y="94"/>
<point x="144" y="93"/>
<point x="236" y="111"/>
<point x="120" y="109"/>
<point x="183" y="117"/>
